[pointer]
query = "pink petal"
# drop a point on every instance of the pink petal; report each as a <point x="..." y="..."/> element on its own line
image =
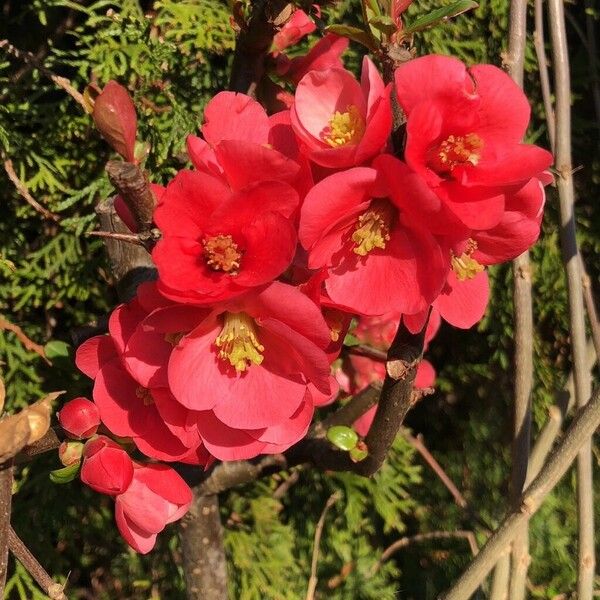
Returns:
<point x="94" y="353"/>
<point x="463" y="303"/>
<point x="140" y="540"/>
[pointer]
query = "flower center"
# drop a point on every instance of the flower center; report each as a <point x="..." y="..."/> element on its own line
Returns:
<point x="373" y="227"/>
<point x="465" y="266"/>
<point x="238" y="342"/>
<point x="458" y="150"/>
<point x="344" y="128"/>
<point x="222" y="254"/>
<point x="144" y="395"/>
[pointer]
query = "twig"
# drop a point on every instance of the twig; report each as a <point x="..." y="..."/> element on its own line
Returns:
<point x="312" y="582"/>
<point x="592" y="47"/>
<point x="24" y="192"/>
<point x="55" y="591"/>
<point x="6" y="483"/>
<point x="28" y="343"/>
<point x="584" y="424"/>
<point x="253" y="43"/>
<point x="284" y="487"/>
<point x="368" y="352"/>
<point x="61" y="82"/>
<point x="130" y="238"/>
<point x="590" y="306"/>
<point x="51" y="441"/>
<point x="523" y="357"/>
<point x="585" y="501"/>
<point x="540" y="51"/>
<point x="404" y="542"/>
<point x="419" y="446"/>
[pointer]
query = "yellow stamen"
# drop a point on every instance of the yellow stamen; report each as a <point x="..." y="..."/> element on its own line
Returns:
<point x="238" y="343"/>
<point x="222" y="254"/>
<point x="465" y="266"/>
<point x="373" y="227"/>
<point x="144" y="394"/>
<point x="458" y="150"/>
<point x="344" y="128"/>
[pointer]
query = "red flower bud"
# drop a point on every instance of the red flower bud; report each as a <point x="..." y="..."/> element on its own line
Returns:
<point x="114" y="116"/>
<point x="80" y="418"/>
<point x="70" y="453"/>
<point x="107" y="468"/>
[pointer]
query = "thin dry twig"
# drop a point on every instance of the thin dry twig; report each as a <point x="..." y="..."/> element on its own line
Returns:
<point x="590" y="307"/>
<point x="55" y="591"/>
<point x="30" y="59"/>
<point x="579" y="433"/>
<point x="130" y="238"/>
<point x="6" y="484"/>
<point x="570" y="252"/>
<point x="28" y="343"/>
<point x="406" y="541"/>
<point x="25" y="194"/>
<point x="312" y="582"/>
<point x="523" y="357"/>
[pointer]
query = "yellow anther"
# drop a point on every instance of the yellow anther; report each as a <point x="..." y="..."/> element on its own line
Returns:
<point x="459" y="150"/>
<point x="222" y="254"/>
<point x="465" y="266"/>
<point x="344" y="128"/>
<point x="238" y="343"/>
<point x="373" y="228"/>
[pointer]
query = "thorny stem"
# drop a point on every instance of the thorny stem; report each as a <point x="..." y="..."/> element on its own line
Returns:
<point x="570" y="252"/>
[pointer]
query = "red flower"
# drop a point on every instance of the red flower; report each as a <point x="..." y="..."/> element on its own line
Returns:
<point x="79" y="418"/>
<point x="217" y="244"/>
<point x="156" y="496"/>
<point x="294" y="30"/>
<point x="246" y="368"/>
<point x="377" y="260"/>
<point x="106" y="468"/>
<point x="464" y="133"/>
<point x="235" y="145"/>
<point x="340" y="122"/>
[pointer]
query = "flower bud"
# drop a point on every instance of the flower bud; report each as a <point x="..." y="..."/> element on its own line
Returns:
<point x="107" y="468"/>
<point x="70" y="452"/>
<point x="114" y="116"/>
<point x="80" y="418"/>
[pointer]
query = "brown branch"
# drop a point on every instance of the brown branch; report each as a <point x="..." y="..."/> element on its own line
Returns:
<point x="6" y="483"/>
<point x="134" y="187"/>
<point x="570" y="254"/>
<point x="254" y="42"/>
<point x="204" y="562"/>
<point x="24" y="192"/>
<point x="61" y="82"/>
<point x="540" y="51"/>
<point x="368" y="352"/>
<point x="55" y="591"/>
<point x="28" y="343"/>
<point x="578" y="434"/>
<point x="590" y="307"/>
<point x="51" y="441"/>
<point x="284" y="487"/>
<point x="313" y="580"/>
<point x="130" y="238"/>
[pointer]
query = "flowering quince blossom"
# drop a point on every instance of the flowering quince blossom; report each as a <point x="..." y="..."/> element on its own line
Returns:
<point x="156" y="496"/>
<point x="217" y="244"/>
<point x="464" y="138"/>
<point x="341" y="122"/>
<point x="80" y="418"/>
<point x="106" y="467"/>
<point x="377" y="261"/>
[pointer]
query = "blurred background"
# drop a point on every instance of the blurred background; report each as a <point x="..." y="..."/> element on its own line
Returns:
<point x="173" y="55"/>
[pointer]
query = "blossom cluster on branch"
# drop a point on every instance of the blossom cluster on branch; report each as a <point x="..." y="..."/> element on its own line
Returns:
<point x="292" y="227"/>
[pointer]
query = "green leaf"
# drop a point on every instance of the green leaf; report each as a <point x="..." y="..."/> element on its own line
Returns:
<point x="351" y="340"/>
<point x="57" y="349"/>
<point x="64" y="475"/>
<point x="373" y="6"/>
<point x="439" y="15"/>
<point x="353" y="33"/>
<point x="342" y="437"/>
<point x="384" y="24"/>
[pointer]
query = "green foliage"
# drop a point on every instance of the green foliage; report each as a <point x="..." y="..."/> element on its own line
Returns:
<point x="173" y="55"/>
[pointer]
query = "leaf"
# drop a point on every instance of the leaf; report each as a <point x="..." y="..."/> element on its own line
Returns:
<point x="57" y="349"/>
<point x="64" y="475"/>
<point x="351" y="340"/>
<point x="353" y="33"/>
<point x="384" y="24"/>
<point x="439" y="15"/>
<point x="342" y="437"/>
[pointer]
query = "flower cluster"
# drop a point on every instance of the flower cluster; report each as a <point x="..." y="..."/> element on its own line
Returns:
<point x="288" y="227"/>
